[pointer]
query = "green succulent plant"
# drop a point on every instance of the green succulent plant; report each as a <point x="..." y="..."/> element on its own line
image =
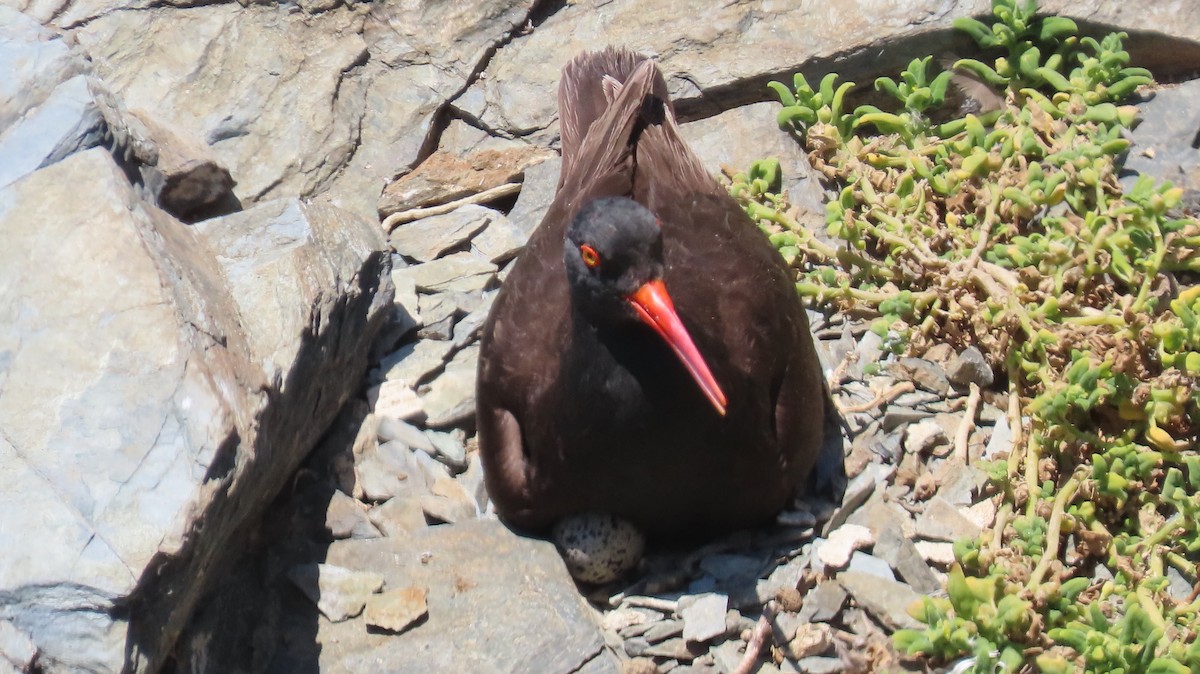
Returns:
<point x="1009" y="231"/>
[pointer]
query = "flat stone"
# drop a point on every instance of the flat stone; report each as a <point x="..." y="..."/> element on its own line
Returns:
<point x="396" y="399"/>
<point x="426" y="239"/>
<point x="902" y="555"/>
<point x="959" y="483"/>
<point x="703" y="616"/>
<point x="941" y="554"/>
<point x="923" y="373"/>
<point x="338" y="592"/>
<point x="443" y="177"/>
<point x="461" y="272"/>
<point x="347" y="518"/>
<point x="857" y="492"/>
<point x="1000" y="444"/>
<point x="677" y="649"/>
<point x="413" y="363"/>
<point x="537" y="192"/>
<point x="886" y="600"/>
<point x="463" y="505"/>
<point x="467" y="329"/>
<point x="861" y="561"/>
<point x="970" y="367"/>
<point x="399" y="516"/>
<point x="736" y="138"/>
<point x="895" y="417"/>
<point x="942" y="521"/>
<point x="406" y="292"/>
<point x="472" y="480"/>
<point x="451" y="397"/>
<point x="663" y="630"/>
<point x="842" y="542"/>
<point x="394" y="430"/>
<point x="395" y="610"/>
<point x="65" y="122"/>
<point x="500" y="241"/>
<point x="471" y="571"/>
<point x="725" y="567"/>
<point x="923" y="436"/>
<point x="983" y="514"/>
<point x="447" y="448"/>
<point x="785" y="577"/>
<point x="1163" y="139"/>
<point x="821" y="665"/>
<point x="810" y="639"/>
<point x="439" y="313"/>
<point x="823" y="603"/>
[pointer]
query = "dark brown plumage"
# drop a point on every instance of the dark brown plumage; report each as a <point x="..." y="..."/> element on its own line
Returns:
<point x="581" y="406"/>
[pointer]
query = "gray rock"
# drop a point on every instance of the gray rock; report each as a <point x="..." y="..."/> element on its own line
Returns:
<point x="448" y="448"/>
<point x="541" y="183"/>
<point x="1000" y="443"/>
<point x="735" y="138"/>
<point x="924" y="436"/>
<point x="414" y="362"/>
<point x="1163" y="141"/>
<point x="406" y="294"/>
<point x="664" y="630"/>
<point x="36" y="61"/>
<point x="676" y="649"/>
<point x="823" y="603"/>
<point x="399" y="516"/>
<point x="347" y="518"/>
<point x="472" y="481"/>
<point x="726" y="567"/>
<point x="500" y="241"/>
<point x="459" y="174"/>
<point x="395" y="610"/>
<point x="451" y="397"/>
<point x="895" y="417"/>
<point x="703" y="616"/>
<point x="426" y="239"/>
<point x="886" y="600"/>
<point x="410" y="436"/>
<point x="339" y="593"/>
<point x="461" y="272"/>
<point x="959" y="483"/>
<point x="861" y="561"/>
<point x="817" y="664"/>
<point x="66" y="122"/>
<point x="396" y="399"/>
<point x="925" y="374"/>
<point x="902" y="555"/>
<point x="205" y="332"/>
<point x="857" y="492"/>
<point x="439" y="313"/>
<point x="295" y="124"/>
<point x="467" y="330"/>
<point x="449" y="503"/>
<point x="970" y="367"/>
<point x="472" y="571"/>
<point x="941" y="521"/>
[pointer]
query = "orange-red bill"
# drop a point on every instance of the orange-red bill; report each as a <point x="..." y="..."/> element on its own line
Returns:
<point x="655" y="308"/>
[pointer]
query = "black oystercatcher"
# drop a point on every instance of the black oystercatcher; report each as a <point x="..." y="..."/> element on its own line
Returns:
<point x="648" y="356"/>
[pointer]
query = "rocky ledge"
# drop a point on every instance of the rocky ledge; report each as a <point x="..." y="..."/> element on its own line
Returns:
<point x="196" y="291"/>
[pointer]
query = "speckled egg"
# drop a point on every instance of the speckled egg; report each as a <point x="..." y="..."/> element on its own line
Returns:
<point x="598" y="548"/>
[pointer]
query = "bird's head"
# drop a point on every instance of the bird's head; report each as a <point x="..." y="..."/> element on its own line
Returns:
<point x="614" y="262"/>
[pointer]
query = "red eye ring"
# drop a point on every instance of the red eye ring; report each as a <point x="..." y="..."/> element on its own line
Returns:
<point x="590" y="257"/>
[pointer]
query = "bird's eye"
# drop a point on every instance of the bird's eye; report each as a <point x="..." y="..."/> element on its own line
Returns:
<point x="590" y="257"/>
